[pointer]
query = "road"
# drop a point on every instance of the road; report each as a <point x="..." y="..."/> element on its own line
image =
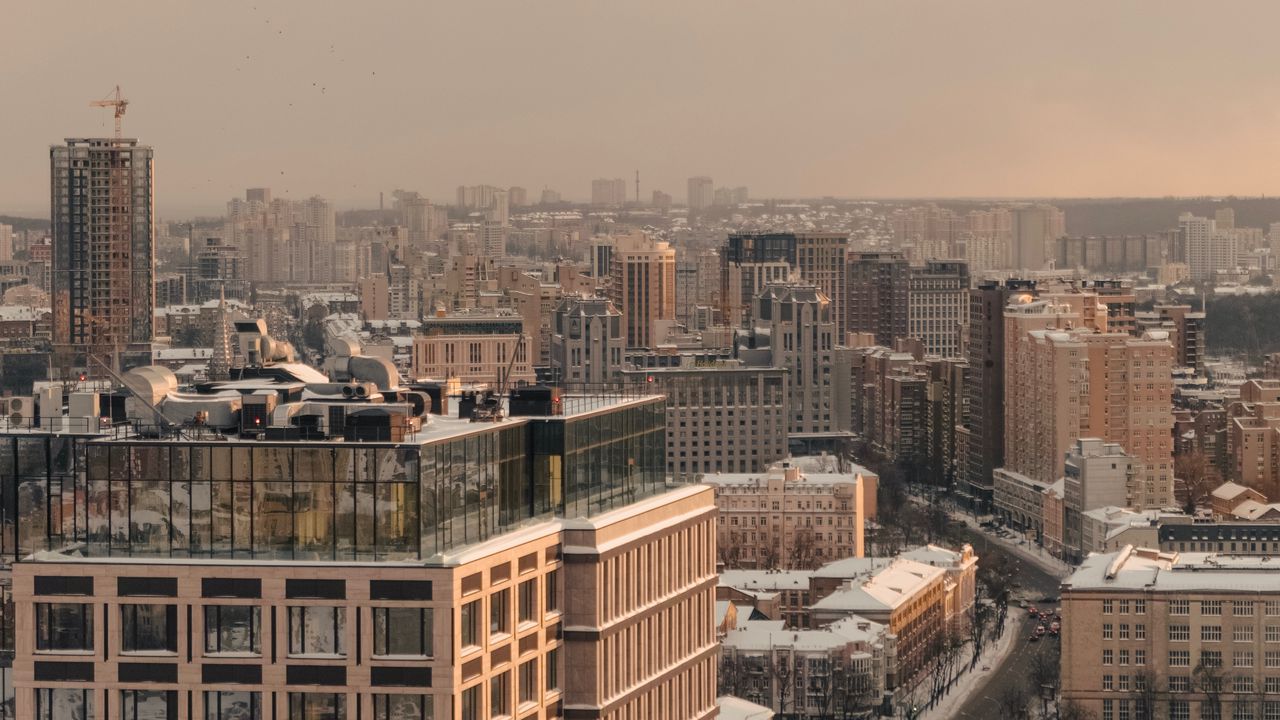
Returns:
<point x="1036" y="583"/>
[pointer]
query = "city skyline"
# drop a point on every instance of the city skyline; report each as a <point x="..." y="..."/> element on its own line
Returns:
<point x="270" y="88"/>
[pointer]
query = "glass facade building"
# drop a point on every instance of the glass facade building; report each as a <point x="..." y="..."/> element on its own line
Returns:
<point x="455" y="485"/>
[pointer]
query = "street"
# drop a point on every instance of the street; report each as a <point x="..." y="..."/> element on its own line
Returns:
<point x="1036" y="583"/>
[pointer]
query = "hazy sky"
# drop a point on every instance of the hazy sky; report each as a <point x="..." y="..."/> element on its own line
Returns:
<point x="892" y="98"/>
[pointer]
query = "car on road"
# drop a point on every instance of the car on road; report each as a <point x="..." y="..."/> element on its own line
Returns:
<point x="1040" y="630"/>
<point x="1034" y="637"/>
<point x="1031" y="610"/>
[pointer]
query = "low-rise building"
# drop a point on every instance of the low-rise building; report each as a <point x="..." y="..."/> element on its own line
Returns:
<point x="1019" y="501"/>
<point x="789" y="518"/>
<point x="831" y="671"/>
<point x="1172" y="635"/>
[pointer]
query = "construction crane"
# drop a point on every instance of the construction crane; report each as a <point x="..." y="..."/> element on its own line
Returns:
<point x="116" y="101"/>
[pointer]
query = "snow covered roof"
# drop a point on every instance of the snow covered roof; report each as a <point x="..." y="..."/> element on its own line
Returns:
<point x="734" y="708"/>
<point x="1130" y="569"/>
<point x="13" y="313"/>
<point x="765" y="580"/>
<point x="885" y="590"/>
<point x="764" y="635"/>
<point x="1229" y="490"/>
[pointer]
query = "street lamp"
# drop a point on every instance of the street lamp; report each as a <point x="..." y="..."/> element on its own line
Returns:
<point x="1047" y="693"/>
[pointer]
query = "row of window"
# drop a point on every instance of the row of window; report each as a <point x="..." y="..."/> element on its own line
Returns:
<point x="313" y="629"/>
<point x="1212" y="633"/>
<point x="1181" y="710"/>
<point x="1214" y="658"/>
<point x="79" y="704"/>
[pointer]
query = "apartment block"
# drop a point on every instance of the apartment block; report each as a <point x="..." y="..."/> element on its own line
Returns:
<point x="791" y="516"/>
<point x="1172" y="635"/>
<point x="473" y="348"/>
<point x="326" y="547"/>
<point x="642" y="285"/>
<point x="587" y="341"/>
<point x="722" y="417"/>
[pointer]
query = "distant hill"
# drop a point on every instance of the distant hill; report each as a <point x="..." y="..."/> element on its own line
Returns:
<point x="23" y="223"/>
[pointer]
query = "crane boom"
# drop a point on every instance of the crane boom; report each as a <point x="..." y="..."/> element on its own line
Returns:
<point x="117" y="101"/>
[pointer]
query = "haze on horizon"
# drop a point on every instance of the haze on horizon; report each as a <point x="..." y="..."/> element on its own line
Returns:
<point x="896" y="99"/>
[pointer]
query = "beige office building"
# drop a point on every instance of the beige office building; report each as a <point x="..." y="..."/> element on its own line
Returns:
<point x="642" y="285"/>
<point x="1172" y="635"/>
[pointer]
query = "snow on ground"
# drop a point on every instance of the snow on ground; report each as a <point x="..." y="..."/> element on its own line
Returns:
<point x="974" y="680"/>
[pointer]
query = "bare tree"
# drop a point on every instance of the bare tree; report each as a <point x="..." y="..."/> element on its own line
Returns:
<point x="1210" y="682"/>
<point x="1071" y="710"/>
<point x="1014" y="702"/>
<point x="1194" y="479"/>
<point x="1148" y="686"/>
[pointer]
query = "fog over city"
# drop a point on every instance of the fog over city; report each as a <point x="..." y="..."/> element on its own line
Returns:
<point x="991" y="99"/>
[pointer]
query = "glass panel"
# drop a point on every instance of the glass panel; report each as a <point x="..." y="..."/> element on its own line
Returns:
<point x="317" y="706"/>
<point x="232" y="629"/>
<point x="64" y="626"/>
<point x="273" y="519"/>
<point x="149" y="704"/>
<point x="402" y="707"/>
<point x="148" y="628"/>
<point x="402" y="631"/>
<point x="232" y="705"/>
<point x="64" y="704"/>
<point x="317" y="630"/>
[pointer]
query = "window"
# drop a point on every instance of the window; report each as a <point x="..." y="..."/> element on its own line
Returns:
<point x="1181" y="607"/>
<point x="1242" y="684"/>
<point x="1270" y="710"/>
<point x="1210" y="633"/>
<point x="1139" y="632"/>
<point x="61" y="703"/>
<point x="1242" y="634"/>
<point x="470" y="624"/>
<point x="317" y="706"/>
<point x="1139" y="607"/>
<point x="1179" y="710"/>
<point x="1273" y="633"/>
<point x="403" y="707"/>
<point x="500" y="612"/>
<point x="1242" y="608"/>
<point x="1273" y="608"/>
<point x="317" y="630"/>
<point x="1271" y="685"/>
<point x="1124" y="607"/>
<point x="500" y="695"/>
<point x="1210" y="607"/>
<point x="1108" y="657"/>
<point x="1124" y="657"/>
<point x="529" y="601"/>
<point x="148" y="704"/>
<point x="1107" y="632"/>
<point x="1124" y="631"/>
<point x="1107" y="607"/>
<point x="1108" y="709"/>
<point x="552" y="592"/>
<point x="233" y="629"/>
<point x="552" y="666"/>
<point x="1179" y="658"/>
<point x="1242" y="659"/>
<point x="529" y="682"/>
<point x="232" y="705"/>
<point x="402" y="631"/>
<point x="1272" y="658"/>
<point x="1179" y="683"/>
<point x="1179" y="633"/>
<point x="471" y="703"/>
<point x="1139" y="657"/>
<point x="148" y="628"/>
<point x="1211" y="658"/>
<point x="1124" y="684"/>
<point x="64" y="626"/>
<point x="1108" y="682"/>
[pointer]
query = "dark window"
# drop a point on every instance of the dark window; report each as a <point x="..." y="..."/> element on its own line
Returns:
<point x="64" y="704"/>
<point x="148" y="628"/>
<point x="471" y="703"/>
<point x="470" y="629"/>
<point x="233" y="705"/>
<point x="500" y="612"/>
<point x="402" y="631"/>
<point x="552" y="592"/>
<point x="232" y="629"/>
<point x="553" y="669"/>
<point x="402" y="707"/>
<point x="529" y="601"/>
<point x="148" y="705"/>
<point x="317" y="706"/>
<point x="64" y="626"/>
<point x="500" y="695"/>
<point x="529" y="682"/>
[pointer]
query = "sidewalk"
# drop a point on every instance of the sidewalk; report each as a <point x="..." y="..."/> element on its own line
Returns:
<point x="973" y="681"/>
<point x="1050" y="564"/>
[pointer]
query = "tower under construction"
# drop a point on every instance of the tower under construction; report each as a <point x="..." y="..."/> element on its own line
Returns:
<point x="103" y="253"/>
